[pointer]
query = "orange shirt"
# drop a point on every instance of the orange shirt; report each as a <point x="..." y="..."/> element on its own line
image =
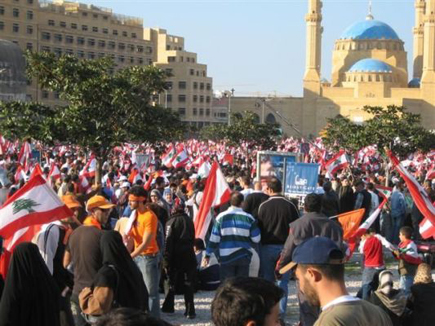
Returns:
<point x="91" y="221"/>
<point x="145" y="222"/>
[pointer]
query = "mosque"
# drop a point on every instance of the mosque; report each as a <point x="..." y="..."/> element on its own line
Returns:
<point x="369" y="68"/>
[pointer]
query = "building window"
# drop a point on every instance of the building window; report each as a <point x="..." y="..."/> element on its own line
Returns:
<point x="56" y="95"/>
<point x="69" y="39"/>
<point x="208" y="86"/>
<point x="105" y="17"/>
<point x="181" y="98"/>
<point x="124" y="33"/>
<point x="115" y="32"/>
<point x="91" y="55"/>
<point x="168" y="85"/>
<point x="121" y="46"/>
<point x="30" y="2"/>
<point x="29" y="29"/>
<point x="201" y="112"/>
<point x="207" y="99"/>
<point x="80" y="40"/>
<point x="102" y="44"/>
<point x="80" y="54"/>
<point x="69" y="51"/>
<point x="149" y="50"/>
<point x="133" y="35"/>
<point x="192" y="72"/>
<point x="121" y="58"/>
<point x="2" y="26"/>
<point x="195" y="85"/>
<point x="16" y="12"/>
<point x="101" y="55"/>
<point x="58" y="37"/>
<point x="201" y="86"/>
<point x="45" y="49"/>
<point x="169" y="97"/>
<point x="140" y="61"/>
<point x="111" y="45"/>
<point x="15" y="28"/>
<point x="74" y="26"/>
<point x="171" y="59"/>
<point x="44" y="94"/>
<point x="182" y="111"/>
<point x="201" y="99"/>
<point x="105" y="31"/>
<point x="29" y="46"/>
<point x="62" y="24"/>
<point x="207" y="112"/>
<point x="182" y="85"/>
<point x="30" y="15"/>
<point x="132" y="60"/>
<point x="131" y="47"/>
<point x="95" y="29"/>
<point x="195" y="98"/>
<point x="84" y="27"/>
<point x="95" y="15"/>
<point x="140" y="49"/>
<point x="84" y="14"/>
<point x="51" y="22"/>
<point x="57" y="51"/>
<point x="195" y="111"/>
<point x="168" y="72"/>
<point x="2" y="10"/>
<point x="91" y="42"/>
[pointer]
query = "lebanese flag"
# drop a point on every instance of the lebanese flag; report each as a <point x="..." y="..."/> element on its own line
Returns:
<point x="89" y="169"/>
<point x="338" y="162"/>
<point x="34" y="203"/>
<point x="169" y="157"/>
<point x="36" y="170"/>
<point x="19" y="174"/>
<point x="25" y="155"/>
<point x="204" y="170"/>
<point x="180" y="160"/>
<point x="427" y="229"/>
<point x="84" y="185"/>
<point x="418" y="194"/>
<point x="350" y="222"/>
<point x="54" y="173"/>
<point x="228" y="158"/>
<point x="431" y="173"/>
<point x="216" y="193"/>
<point x="197" y="162"/>
<point x="364" y="227"/>
<point x="384" y="192"/>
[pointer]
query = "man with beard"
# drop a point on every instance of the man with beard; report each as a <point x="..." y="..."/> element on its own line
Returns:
<point x="319" y="264"/>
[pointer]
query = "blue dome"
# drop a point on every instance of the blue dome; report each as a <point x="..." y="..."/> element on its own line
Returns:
<point x="370" y="65"/>
<point x="369" y="30"/>
<point x="414" y="83"/>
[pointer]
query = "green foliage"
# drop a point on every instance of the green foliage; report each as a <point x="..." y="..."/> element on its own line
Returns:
<point x="391" y="127"/>
<point x="243" y="128"/>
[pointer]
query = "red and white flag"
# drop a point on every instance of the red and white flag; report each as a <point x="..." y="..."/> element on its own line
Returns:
<point x="89" y="169"/>
<point x="338" y="162"/>
<point x="204" y="170"/>
<point x="169" y="156"/>
<point x="431" y="173"/>
<point x="36" y="170"/>
<point x="34" y="203"/>
<point x="427" y="229"/>
<point x="384" y="192"/>
<point x="418" y="194"/>
<point x="54" y="173"/>
<point x="25" y="155"/>
<point x="180" y="160"/>
<point x="364" y="227"/>
<point x="216" y="193"/>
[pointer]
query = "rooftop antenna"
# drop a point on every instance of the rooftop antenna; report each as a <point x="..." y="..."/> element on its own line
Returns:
<point x="370" y="16"/>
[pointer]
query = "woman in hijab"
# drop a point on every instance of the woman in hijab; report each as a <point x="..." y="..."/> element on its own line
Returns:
<point x="159" y="206"/>
<point x="422" y="297"/>
<point x="119" y="283"/>
<point x="30" y="296"/>
<point x="392" y="301"/>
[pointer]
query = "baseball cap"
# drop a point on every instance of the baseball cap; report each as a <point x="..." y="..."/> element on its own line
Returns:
<point x="98" y="202"/>
<point x="315" y="251"/>
<point x="70" y="201"/>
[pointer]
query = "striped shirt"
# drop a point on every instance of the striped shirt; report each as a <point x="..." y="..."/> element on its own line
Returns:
<point x="233" y="233"/>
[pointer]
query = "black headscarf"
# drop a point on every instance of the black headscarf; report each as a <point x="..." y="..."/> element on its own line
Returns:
<point x="30" y="296"/>
<point x="130" y="291"/>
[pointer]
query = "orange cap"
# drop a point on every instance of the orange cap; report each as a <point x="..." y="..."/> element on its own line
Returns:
<point x="98" y="202"/>
<point x="71" y="201"/>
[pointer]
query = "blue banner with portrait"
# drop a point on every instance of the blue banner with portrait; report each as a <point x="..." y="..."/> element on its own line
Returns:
<point x="301" y="178"/>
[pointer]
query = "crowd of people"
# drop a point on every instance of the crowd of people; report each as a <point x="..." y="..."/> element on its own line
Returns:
<point x="130" y="239"/>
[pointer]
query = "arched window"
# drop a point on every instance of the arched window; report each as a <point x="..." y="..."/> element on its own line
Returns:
<point x="238" y="115"/>
<point x="257" y="118"/>
<point x="270" y="118"/>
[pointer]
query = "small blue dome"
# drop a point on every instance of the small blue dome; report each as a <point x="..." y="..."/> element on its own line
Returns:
<point x="414" y="83"/>
<point x="369" y="30"/>
<point x="370" y="65"/>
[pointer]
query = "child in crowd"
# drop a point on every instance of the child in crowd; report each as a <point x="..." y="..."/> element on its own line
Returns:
<point x="408" y="259"/>
<point x="371" y="249"/>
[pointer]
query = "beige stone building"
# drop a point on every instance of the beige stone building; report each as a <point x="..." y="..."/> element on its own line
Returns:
<point x="91" y="32"/>
<point x="369" y="68"/>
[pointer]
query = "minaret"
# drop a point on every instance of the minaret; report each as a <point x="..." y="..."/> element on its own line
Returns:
<point x="418" y="38"/>
<point x="314" y="46"/>
<point x="428" y="76"/>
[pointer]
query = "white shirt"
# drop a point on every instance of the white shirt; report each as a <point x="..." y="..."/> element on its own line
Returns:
<point x="342" y="299"/>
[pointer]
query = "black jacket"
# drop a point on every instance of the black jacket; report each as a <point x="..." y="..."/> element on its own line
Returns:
<point x="253" y="201"/>
<point x="308" y="226"/>
<point x="347" y="201"/>
<point x="330" y="203"/>
<point x="274" y="218"/>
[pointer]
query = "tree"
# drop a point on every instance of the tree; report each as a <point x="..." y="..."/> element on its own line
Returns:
<point x="103" y="108"/>
<point x="244" y="129"/>
<point x="392" y="127"/>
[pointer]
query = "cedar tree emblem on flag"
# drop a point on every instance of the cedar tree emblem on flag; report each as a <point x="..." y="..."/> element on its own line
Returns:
<point x="23" y="204"/>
